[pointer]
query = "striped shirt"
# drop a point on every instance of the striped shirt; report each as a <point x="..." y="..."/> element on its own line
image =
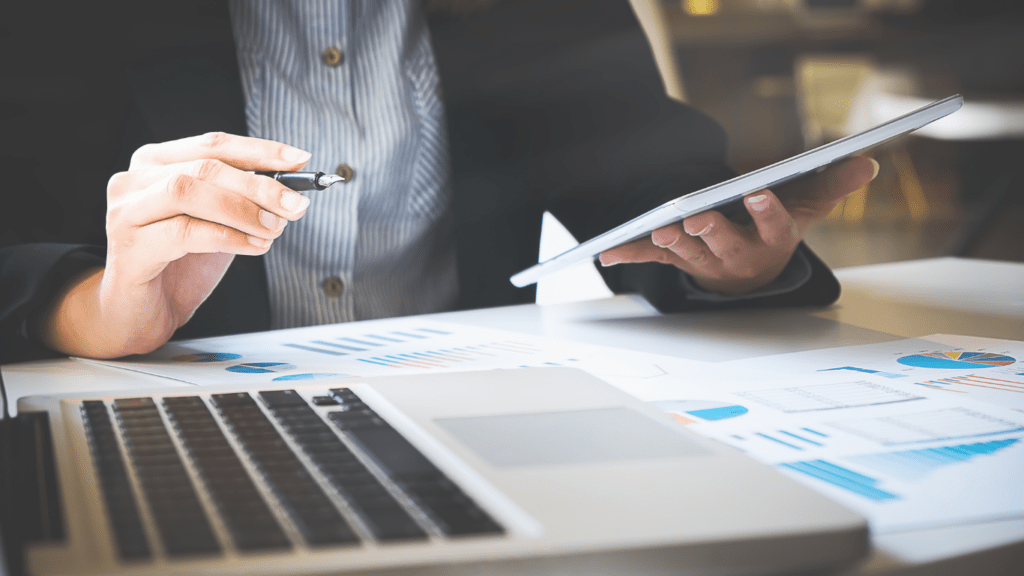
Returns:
<point x="354" y="83"/>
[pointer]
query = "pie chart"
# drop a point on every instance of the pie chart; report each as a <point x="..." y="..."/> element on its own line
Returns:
<point x="207" y="357"/>
<point x="706" y="410"/>
<point x="957" y="360"/>
<point x="260" y="367"/>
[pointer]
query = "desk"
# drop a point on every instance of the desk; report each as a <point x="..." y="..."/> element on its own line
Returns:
<point x="880" y="303"/>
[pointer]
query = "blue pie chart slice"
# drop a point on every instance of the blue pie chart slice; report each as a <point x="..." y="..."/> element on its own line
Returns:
<point x="704" y="409"/>
<point x="207" y="357"/>
<point x="260" y="367"/>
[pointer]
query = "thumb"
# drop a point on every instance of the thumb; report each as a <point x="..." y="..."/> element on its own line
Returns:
<point x="835" y="183"/>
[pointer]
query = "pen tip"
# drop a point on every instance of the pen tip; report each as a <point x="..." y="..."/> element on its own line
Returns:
<point x="328" y="179"/>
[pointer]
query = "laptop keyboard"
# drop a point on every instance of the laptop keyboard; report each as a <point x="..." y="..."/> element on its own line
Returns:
<point x="400" y="497"/>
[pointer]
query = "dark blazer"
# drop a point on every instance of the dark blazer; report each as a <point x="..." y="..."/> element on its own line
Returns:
<point x="550" y="106"/>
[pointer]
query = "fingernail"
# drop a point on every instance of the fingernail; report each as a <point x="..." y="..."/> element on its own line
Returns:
<point x="270" y="221"/>
<point x="258" y="242"/>
<point x="294" y="202"/>
<point x="667" y="239"/>
<point x="295" y="155"/>
<point x="876" y="166"/>
<point x="704" y="231"/>
<point x="611" y="261"/>
<point x="758" y="203"/>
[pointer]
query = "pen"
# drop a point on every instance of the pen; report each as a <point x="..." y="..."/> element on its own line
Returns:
<point x="302" y="181"/>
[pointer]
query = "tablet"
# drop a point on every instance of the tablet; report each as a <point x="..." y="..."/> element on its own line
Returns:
<point x="740" y="186"/>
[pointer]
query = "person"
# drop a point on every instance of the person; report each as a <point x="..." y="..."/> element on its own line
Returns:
<point x="553" y="106"/>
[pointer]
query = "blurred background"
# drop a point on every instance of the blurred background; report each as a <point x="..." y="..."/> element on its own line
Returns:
<point x="783" y="76"/>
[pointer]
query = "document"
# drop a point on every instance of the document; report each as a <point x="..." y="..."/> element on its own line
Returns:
<point x="902" y="455"/>
<point x="398" y="346"/>
<point x="985" y="369"/>
<point x="914" y="433"/>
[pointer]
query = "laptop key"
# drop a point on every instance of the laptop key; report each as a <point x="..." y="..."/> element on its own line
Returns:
<point x="227" y="480"/>
<point x="324" y="401"/>
<point x="312" y="512"/>
<point x="282" y="398"/>
<point x="383" y="515"/>
<point x="129" y="536"/>
<point x="181" y="522"/>
<point x="454" y="512"/>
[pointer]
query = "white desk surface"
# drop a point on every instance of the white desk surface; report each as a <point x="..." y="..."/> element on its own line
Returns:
<point x="879" y="303"/>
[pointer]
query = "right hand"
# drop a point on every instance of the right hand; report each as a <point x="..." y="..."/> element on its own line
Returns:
<point x="175" y="221"/>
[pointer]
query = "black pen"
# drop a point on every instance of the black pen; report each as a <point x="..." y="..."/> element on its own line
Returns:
<point x="302" y="181"/>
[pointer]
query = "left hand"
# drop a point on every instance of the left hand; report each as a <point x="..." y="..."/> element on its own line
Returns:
<point x="729" y="258"/>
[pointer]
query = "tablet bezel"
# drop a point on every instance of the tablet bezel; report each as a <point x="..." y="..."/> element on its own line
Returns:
<point x="741" y="186"/>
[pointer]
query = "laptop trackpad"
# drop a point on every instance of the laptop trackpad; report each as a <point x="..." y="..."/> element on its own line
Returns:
<point x="575" y="437"/>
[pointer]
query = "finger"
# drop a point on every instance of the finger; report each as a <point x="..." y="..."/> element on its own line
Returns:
<point x="631" y="252"/>
<point x="850" y="175"/>
<point x="724" y="241"/>
<point x="818" y="195"/>
<point x="686" y="242"/>
<point x="774" y="224"/>
<point x="261" y="190"/>
<point x="239" y="151"/>
<point x="171" y="239"/>
<point x="183" y="195"/>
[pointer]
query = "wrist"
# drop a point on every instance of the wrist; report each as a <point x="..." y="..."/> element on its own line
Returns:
<point x="794" y="275"/>
<point x="61" y="326"/>
<point x="83" y="321"/>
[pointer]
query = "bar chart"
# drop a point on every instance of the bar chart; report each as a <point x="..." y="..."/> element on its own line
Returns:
<point x="842" y="477"/>
<point x="915" y="464"/>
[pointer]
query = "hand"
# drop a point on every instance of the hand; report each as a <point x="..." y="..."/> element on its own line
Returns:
<point x="175" y="221"/>
<point x="730" y="258"/>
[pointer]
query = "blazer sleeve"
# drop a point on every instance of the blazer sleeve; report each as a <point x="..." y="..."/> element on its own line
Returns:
<point x="31" y="278"/>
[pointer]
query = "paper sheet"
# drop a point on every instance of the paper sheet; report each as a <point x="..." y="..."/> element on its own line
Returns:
<point x="984" y="369"/>
<point x="903" y="456"/>
<point x="902" y="432"/>
<point x="399" y="346"/>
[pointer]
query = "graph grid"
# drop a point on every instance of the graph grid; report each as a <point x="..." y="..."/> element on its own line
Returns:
<point x="926" y="426"/>
<point x="828" y="396"/>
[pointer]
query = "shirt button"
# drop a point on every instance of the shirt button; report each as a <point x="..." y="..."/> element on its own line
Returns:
<point x="345" y="171"/>
<point x="332" y="56"/>
<point x="333" y="287"/>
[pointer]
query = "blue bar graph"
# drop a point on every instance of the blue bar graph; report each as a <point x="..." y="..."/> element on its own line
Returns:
<point x="776" y="440"/>
<point x="408" y="335"/>
<point x="914" y="464"/>
<point x="360" y="342"/>
<point x="314" y="349"/>
<point x="843" y="478"/>
<point x="798" y="437"/>
<point x="432" y="331"/>
<point x="866" y="371"/>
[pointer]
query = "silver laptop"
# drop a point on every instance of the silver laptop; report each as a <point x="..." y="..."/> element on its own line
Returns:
<point x="531" y="471"/>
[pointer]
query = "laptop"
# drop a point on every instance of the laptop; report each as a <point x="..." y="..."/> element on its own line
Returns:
<point x="528" y="471"/>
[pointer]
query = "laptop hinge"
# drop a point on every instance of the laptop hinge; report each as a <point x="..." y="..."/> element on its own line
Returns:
<point x="30" y="505"/>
